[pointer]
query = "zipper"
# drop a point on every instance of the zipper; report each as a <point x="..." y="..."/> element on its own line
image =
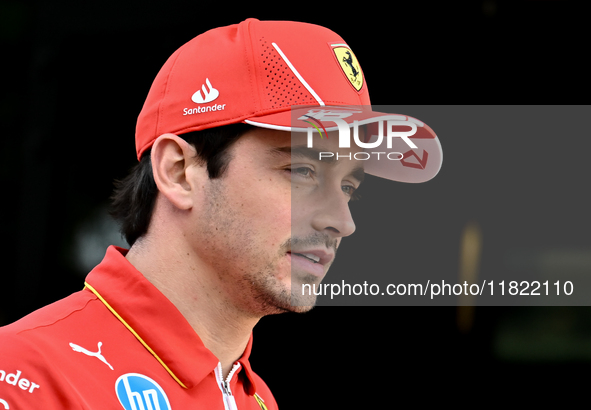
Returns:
<point x="229" y="401"/>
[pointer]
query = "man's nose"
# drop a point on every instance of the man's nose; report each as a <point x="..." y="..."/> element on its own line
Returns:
<point x="333" y="215"/>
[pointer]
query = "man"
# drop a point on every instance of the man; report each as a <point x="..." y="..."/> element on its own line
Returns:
<point x="227" y="216"/>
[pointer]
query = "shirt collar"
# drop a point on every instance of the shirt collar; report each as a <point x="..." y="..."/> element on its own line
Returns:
<point x="156" y="322"/>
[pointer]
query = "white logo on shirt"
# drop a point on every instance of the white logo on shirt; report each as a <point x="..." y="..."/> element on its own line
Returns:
<point x="208" y="96"/>
<point x="98" y="354"/>
<point x="15" y="379"/>
<point x="138" y="392"/>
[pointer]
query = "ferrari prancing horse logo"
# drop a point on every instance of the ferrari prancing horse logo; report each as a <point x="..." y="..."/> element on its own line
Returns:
<point x="349" y="65"/>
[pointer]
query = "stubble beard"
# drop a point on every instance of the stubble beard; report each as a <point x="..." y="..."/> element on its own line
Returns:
<point x="255" y="291"/>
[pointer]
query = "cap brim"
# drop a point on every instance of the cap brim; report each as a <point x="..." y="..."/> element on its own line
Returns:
<point x="398" y="162"/>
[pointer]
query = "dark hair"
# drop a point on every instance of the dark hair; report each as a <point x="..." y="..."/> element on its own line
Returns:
<point x="134" y="196"/>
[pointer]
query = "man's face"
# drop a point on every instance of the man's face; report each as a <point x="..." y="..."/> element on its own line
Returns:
<point x="275" y="219"/>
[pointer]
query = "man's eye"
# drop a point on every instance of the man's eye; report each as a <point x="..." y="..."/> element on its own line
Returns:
<point x="303" y="172"/>
<point x="351" y="191"/>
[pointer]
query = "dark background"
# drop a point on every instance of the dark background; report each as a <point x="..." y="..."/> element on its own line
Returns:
<point x="75" y="75"/>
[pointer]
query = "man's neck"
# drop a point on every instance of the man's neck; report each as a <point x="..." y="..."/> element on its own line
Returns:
<point x="224" y="330"/>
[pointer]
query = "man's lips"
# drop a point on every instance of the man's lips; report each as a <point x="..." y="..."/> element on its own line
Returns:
<point x="318" y="256"/>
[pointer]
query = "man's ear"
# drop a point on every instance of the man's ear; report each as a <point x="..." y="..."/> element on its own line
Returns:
<point x="173" y="163"/>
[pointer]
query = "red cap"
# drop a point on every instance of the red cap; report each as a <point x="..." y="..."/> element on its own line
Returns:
<point x="252" y="72"/>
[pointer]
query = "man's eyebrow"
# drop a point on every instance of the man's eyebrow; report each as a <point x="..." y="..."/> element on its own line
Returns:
<point x="302" y="151"/>
<point x="358" y="173"/>
<point x="313" y="154"/>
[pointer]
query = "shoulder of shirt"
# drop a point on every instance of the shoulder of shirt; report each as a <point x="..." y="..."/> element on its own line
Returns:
<point x="31" y="362"/>
<point x="43" y="318"/>
<point x="30" y="342"/>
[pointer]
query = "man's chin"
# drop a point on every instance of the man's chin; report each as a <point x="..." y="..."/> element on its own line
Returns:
<point x="275" y="302"/>
<point x="294" y="303"/>
<point x="301" y="300"/>
<point x="290" y="307"/>
<point x="301" y="308"/>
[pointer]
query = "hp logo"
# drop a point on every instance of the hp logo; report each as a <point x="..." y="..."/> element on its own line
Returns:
<point x="139" y="392"/>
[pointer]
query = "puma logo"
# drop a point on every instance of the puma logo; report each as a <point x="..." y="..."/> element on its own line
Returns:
<point x="98" y="354"/>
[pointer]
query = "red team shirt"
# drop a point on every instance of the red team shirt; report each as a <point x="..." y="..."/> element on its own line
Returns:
<point x="119" y="343"/>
